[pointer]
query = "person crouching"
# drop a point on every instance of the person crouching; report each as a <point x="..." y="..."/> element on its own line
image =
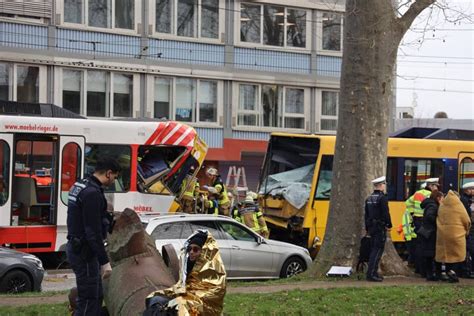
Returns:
<point x="202" y="281"/>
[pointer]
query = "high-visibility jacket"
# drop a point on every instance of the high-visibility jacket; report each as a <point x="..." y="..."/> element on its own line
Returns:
<point x="212" y="207"/>
<point x="236" y="215"/>
<point x="252" y="217"/>
<point x="407" y="224"/>
<point x="221" y="190"/>
<point x="414" y="202"/>
<point x="191" y="189"/>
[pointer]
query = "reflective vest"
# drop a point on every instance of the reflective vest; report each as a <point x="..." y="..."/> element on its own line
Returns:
<point x="236" y="215"/>
<point x="414" y="202"/>
<point x="221" y="190"/>
<point x="407" y="224"/>
<point x="257" y="223"/>
<point x="212" y="207"/>
<point x="190" y="190"/>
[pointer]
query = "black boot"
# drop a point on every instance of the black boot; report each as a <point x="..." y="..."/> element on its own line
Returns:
<point x="374" y="278"/>
<point x="453" y="278"/>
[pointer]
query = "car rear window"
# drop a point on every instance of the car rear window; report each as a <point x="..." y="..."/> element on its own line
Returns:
<point x="178" y="230"/>
<point x="207" y="225"/>
<point x="235" y="232"/>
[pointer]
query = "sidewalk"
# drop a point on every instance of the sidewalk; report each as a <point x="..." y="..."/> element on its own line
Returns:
<point x="45" y="298"/>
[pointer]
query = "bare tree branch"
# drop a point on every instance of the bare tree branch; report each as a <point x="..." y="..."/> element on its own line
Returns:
<point x="415" y="9"/>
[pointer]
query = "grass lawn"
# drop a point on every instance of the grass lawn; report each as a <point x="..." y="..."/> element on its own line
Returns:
<point x="437" y="299"/>
<point x="35" y="310"/>
<point x="440" y="299"/>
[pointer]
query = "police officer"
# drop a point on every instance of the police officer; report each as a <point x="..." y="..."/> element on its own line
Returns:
<point x="377" y="222"/>
<point x="216" y="183"/>
<point x="88" y="222"/>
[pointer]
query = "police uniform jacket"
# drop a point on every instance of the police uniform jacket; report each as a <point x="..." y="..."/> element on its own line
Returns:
<point x="377" y="216"/>
<point x="87" y="216"/>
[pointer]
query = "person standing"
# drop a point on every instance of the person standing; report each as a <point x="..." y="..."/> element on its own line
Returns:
<point x="427" y="234"/>
<point x="252" y="216"/>
<point x="189" y="192"/>
<point x="216" y="183"/>
<point x="414" y="204"/>
<point x="377" y="222"/>
<point x="466" y="199"/>
<point x="452" y="226"/>
<point x="88" y="222"/>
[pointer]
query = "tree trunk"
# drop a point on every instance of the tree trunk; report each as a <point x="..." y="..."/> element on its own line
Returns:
<point x="371" y="38"/>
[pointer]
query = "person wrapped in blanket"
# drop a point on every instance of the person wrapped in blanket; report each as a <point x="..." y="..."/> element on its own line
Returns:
<point x="202" y="281"/>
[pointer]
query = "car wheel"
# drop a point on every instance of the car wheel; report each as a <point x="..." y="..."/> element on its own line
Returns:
<point x="16" y="281"/>
<point x="292" y="267"/>
<point x="171" y="260"/>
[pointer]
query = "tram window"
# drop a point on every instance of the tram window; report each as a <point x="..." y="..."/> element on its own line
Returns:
<point x="392" y="173"/>
<point x="323" y="190"/>
<point x="466" y="171"/>
<point x="4" y="171"/>
<point x="418" y="170"/>
<point x="122" y="153"/>
<point x="70" y="169"/>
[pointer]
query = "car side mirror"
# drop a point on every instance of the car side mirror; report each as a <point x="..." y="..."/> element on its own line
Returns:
<point x="261" y="240"/>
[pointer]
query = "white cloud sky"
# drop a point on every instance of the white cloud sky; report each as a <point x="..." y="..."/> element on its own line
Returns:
<point x="452" y="45"/>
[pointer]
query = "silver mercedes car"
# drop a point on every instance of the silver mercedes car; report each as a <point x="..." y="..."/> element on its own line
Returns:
<point x="246" y="255"/>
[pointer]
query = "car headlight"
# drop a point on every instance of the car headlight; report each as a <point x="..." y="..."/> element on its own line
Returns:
<point x="306" y="251"/>
<point x="35" y="260"/>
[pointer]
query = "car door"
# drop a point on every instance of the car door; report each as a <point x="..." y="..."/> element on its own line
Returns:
<point x="250" y="259"/>
<point x="222" y="242"/>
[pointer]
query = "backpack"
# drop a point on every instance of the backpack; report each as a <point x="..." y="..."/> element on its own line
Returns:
<point x="364" y="253"/>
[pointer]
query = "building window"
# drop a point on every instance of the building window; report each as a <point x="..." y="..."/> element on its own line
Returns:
<point x="207" y="101"/>
<point x="73" y="11"/>
<point x="97" y="100"/>
<point x="27" y="84"/>
<point x="123" y="95"/>
<point x="101" y="13"/>
<point x="185" y="99"/>
<point x="195" y="100"/>
<point x="332" y="31"/>
<point x="187" y="18"/>
<point x="22" y="83"/>
<point x="125" y="14"/>
<point x="329" y="106"/>
<point x="162" y="100"/>
<point x="248" y="105"/>
<point x="282" y="27"/>
<point x="271" y="106"/>
<point x="4" y="82"/>
<point x="72" y="90"/>
<point x="97" y="93"/>
<point x="210" y="18"/>
<point x="294" y="108"/>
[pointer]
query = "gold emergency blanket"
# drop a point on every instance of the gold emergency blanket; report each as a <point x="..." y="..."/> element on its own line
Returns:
<point x="452" y="227"/>
<point x="202" y="291"/>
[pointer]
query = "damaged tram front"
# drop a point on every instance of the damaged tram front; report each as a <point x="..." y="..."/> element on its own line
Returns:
<point x="285" y="189"/>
